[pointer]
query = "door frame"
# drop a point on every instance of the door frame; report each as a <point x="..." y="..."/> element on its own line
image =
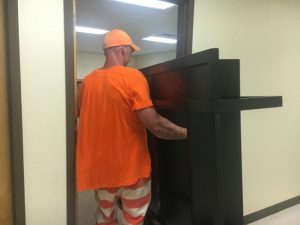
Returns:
<point x="15" y="111"/>
<point x="71" y="117"/>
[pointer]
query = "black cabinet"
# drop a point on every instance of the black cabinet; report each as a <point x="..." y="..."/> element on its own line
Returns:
<point x="199" y="181"/>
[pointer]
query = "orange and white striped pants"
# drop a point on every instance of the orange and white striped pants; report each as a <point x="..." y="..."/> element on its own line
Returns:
<point x="135" y="201"/>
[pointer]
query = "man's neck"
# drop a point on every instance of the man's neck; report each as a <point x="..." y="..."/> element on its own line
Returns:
<point x="112" y="61"/>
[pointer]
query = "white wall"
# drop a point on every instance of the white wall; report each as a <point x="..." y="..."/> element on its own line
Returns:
<point x="41" y="25"/>
<point x="265" y="36"/>
<point x="89" y="61"/>
<point x="146" y="60"/>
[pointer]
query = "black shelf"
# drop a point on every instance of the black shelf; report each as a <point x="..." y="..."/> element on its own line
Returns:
<point x="198" y="181"/>
<point x="221" y="105"/>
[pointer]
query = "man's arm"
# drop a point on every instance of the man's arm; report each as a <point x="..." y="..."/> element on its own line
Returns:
<point x="160" y="126"/>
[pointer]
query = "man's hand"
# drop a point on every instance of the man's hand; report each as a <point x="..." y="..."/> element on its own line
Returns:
<point x="160" y="126"/>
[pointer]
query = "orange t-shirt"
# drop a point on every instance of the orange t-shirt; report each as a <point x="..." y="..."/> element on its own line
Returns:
<point x="112" y="148"/>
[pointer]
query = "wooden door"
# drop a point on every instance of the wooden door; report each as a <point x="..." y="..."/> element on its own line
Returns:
<point x="5" y="180"/>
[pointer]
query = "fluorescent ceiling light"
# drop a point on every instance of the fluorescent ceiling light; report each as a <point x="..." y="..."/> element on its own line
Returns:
<point x="90" y="30"/>
<point x="161" y="39"/>
<point x="148" y="3"/>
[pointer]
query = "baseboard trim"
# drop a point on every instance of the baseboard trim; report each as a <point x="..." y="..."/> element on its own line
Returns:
<point x="252" y="217"/>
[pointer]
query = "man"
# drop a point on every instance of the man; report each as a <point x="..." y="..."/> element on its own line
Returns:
<point x="112" y="152"/>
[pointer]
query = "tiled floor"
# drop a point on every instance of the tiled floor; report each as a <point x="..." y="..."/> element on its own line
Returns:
<point x="290" y="216"/>
<point x="86" y="208"/>
<point x="86" y="211"/>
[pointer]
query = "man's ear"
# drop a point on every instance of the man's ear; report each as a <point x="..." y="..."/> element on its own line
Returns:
<point x="123" y="49"/>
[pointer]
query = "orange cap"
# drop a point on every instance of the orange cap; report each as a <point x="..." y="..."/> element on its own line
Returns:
<point x="117" y="38"/>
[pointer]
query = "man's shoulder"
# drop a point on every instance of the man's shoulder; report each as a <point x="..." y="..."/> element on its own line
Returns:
<point x="86" y="78"/>
<point x="91" y="74"/>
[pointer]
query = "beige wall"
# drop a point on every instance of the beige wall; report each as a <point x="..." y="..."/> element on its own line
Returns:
<point x="5" y="182"/>
<point x="88" y="61"/>
<point x="265" y="36"/>
<point x="41" y="26"/>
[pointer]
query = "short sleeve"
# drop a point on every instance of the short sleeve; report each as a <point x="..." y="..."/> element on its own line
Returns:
<point x="140" y="92"/>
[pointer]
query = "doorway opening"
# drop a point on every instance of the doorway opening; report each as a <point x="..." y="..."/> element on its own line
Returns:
<point x="85" y="54"/>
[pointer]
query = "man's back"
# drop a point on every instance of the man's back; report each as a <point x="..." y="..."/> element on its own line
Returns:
<point x="112" y="145"/>
<point x="112" y="153"/>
